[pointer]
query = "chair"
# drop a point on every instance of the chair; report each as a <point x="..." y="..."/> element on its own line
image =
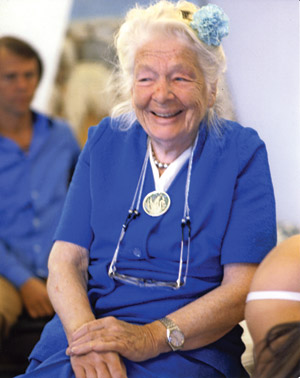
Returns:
<point x="16" y="348"/>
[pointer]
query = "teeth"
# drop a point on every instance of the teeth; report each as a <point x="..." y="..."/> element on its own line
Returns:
<point x="166" y="115"/>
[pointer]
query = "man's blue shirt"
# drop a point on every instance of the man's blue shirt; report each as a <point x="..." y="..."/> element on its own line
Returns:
<point x="33" y="186"/>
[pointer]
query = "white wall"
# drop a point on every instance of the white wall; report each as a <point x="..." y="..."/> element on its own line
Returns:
<point x="263" y="72"/>
<point x="42" y="23"/>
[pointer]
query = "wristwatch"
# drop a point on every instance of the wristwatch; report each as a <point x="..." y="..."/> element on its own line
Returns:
<point x="175" y="338"/>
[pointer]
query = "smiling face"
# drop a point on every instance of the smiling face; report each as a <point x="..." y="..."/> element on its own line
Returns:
<point x="169" y="94"/>
<point x="19" y="78"/>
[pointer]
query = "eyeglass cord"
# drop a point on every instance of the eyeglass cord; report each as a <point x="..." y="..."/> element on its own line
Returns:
<point x="133" y="212"/>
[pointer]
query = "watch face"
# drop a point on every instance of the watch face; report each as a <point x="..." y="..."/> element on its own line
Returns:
<point x="176" y="338"/>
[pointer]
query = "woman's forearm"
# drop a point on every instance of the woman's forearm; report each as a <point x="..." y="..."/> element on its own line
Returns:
<point x="216" y="313"/>
<point x="67" y="285"/>
<point x="203" y="321"/>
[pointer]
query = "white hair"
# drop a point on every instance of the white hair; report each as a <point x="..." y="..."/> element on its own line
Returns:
<point x="171" y="19"/>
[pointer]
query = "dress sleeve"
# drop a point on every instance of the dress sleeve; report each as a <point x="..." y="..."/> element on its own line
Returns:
<point x="74" y="225"/>
<point x="251" y="229"/>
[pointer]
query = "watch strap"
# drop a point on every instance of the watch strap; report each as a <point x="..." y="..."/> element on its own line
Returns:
<point x="171" y="327"/>
<point x="168" y="323"/>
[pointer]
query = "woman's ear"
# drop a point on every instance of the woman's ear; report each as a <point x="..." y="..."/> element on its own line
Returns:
<point x="212" y="94"/>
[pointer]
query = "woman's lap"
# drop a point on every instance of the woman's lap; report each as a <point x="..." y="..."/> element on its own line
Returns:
<point x="56" y="366"/>
<point x="172" y="365"/>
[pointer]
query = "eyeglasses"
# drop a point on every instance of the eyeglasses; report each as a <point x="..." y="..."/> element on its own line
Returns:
<point x="146" y="282"/>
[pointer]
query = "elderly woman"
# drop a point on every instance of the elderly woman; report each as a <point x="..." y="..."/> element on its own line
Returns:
<point x="161" y="294"/>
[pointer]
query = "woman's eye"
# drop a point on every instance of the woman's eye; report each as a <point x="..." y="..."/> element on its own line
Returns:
<point x="180" y="78"/>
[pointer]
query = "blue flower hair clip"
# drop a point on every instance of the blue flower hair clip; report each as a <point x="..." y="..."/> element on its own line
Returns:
<point x="211" y="24"/>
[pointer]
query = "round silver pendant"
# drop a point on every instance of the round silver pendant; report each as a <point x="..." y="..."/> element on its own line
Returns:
<point x="156" y="203"/>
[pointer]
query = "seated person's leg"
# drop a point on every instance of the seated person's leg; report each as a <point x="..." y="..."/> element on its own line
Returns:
<point x="10" y="306"/>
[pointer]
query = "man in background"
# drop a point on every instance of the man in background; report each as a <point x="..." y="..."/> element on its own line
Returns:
<point x="37" y="157"/>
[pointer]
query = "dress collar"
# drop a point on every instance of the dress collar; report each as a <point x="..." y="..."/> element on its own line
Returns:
<point x="163" y="182"/>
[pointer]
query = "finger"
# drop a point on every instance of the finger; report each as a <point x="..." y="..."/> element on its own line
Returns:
<point x="94" y="346"/>
<point x="103" y="371"/>
<point x="83" y="368"/>
<point x="99" y="341"/>
<point x="111" y="366"/>
<point x="97" y="344"/>
<point x="88" y="337"/>
<point x="78" y="372"/>
<point x="92" y="329"/>
<point x="40" y="309"/>
<point x="117" y="367"/>
<point x="85" y="348"/>
<point x="47" y="309"/>
<point x="68" y="351"/>
<point x="82" y="341"/>
<point x="90" y="372"/>
<point x="87" y="328"/>
<point x="33" y="310"/>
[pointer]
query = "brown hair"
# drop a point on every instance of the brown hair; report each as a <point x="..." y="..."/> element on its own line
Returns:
<point x="280" y="354"/>
<point x="22" y="48"/>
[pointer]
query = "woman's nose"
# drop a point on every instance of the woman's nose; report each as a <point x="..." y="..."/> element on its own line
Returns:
<point x="162" y="91"/>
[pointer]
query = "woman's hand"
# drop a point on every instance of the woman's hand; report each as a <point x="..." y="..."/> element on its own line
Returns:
<point x="135" y="342"/>
<point x="93" y="365"/>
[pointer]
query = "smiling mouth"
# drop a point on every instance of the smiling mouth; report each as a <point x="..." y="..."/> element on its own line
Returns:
<point x="166" y="115"/>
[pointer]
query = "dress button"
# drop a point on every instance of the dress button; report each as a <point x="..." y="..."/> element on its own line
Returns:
<point x="37" y="248"/>
<point x="137" y="252"/>
<point x="34" y="194"/>
<point x="36" y="222"/>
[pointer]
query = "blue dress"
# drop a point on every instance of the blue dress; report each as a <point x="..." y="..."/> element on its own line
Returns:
<point x="232" y="213"/>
